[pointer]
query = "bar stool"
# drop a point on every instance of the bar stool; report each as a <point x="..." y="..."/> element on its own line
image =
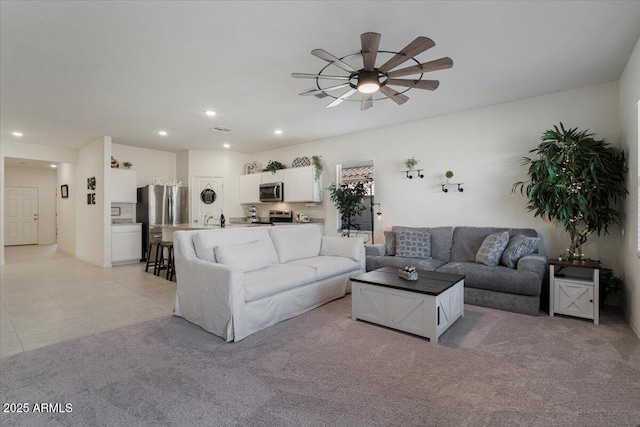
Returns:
<point x="162" y="263"/>
<point x="171" y="267"/>
<point x="151" y="260"/>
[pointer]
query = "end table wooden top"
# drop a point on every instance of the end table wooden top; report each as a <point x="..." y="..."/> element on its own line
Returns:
<point x="429" y="282"/>
<point x="567" y="263"/>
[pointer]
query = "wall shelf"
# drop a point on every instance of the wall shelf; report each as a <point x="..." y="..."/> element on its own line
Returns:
<point x="452" y="184"/>
<point x="418" y="172"/>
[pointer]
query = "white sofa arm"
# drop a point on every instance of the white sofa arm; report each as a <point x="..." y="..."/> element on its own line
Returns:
<point x="208" y="294"/>
<point x="346" y="247"/>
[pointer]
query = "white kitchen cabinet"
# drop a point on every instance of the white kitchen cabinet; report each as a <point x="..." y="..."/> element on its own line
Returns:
<point x="575" y="291"/>
<point x="269" y="177"/>
<point x="123" y="186"/>
<point x="300" y="185"/>
<point x="250" y="188"/>
<point x="126" y="243"/>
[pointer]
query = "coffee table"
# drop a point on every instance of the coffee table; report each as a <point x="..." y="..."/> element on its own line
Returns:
<point x="424" y="307"/>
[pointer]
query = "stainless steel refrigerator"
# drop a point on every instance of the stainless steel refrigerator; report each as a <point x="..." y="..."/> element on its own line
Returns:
<point x="160" y="205"/>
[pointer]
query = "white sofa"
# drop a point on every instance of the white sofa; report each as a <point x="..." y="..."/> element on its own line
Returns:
<point x="234" y="282"/>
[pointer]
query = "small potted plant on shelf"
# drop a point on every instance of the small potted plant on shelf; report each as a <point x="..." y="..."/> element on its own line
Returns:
<point x="127" y="165"/>
<point x="448" y="175"/>
<point x="274" y="166"/>
<point x="411" y="163"/>
<point x="319" y="165"/>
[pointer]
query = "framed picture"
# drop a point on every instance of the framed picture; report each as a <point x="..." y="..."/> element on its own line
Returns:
<point x="91" y="198"/>
<point x="64" y="191"/>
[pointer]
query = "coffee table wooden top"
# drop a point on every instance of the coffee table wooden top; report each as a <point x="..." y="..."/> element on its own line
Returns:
<point x="429" y="282"/>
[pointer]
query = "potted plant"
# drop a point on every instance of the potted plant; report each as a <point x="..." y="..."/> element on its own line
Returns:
<point x="609" y="285"/>
<point x="127" y="165"/>
<point x="274" y="166"/>
<point x="349" y="200"/>
<point x="448" y="175"/>
<point x="576" y="180"/>
<point x="318" y="163"/>
<point x="411" y="163"/>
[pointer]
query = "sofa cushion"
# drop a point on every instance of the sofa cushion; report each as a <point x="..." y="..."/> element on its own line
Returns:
<point x="274" y="279"/>
<point x="413" y="244"/>
<point x="376" y="262"/>
<point x="296" y="241"/>
<point x="342" y="247"/>
<point x="491" y="249"/>
<point x="390" y="243"/>
<point x="244" y="256"/>
<point x="441" y="238"/>
<point x="204" y="241"/>
<point x="467" y="240"/>
<point x="328" y="266"/>
<point x="518" y="247"/>
<point x="499" y="279"/>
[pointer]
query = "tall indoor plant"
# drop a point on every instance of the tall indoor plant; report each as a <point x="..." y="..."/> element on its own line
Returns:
<point x="576" y="180"/>
<point x="349" y="200"/>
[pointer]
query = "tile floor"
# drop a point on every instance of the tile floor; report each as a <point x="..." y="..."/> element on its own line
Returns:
<point x="47" y="297"/>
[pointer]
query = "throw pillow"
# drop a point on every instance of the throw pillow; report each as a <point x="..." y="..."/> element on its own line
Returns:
<point x="518" y="247"/>
<point x="244" y="256"/>
<point x="413" y="244"/>
<point x="390" y="243"/>
<point x="492" y="248"/>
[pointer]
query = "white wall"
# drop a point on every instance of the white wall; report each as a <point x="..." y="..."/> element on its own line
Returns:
<point x="483" y="147"/>
<point x="227" y="164"/>
<point x="25" y="150"/>
<point x="45" y="181"/>
<point x="182" y="167"/>
<point x="67" y="210"/>
<point x="147" y="163"/>
<point x="93" y="222"/>
<point x="629" y="97"/>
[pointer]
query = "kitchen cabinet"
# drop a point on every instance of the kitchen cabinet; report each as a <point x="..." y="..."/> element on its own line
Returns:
<point x="126" y="243"/>
<point x="269" y="177"/>
<point x="250" y="188"/>
<point x="123" y="186"/>
<point x="300" y="185"/>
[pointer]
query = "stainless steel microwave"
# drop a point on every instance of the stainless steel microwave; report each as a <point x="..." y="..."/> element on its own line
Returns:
<point x="272" y="192"/>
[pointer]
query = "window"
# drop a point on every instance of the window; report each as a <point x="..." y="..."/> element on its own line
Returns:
<point x="354" y="172"/>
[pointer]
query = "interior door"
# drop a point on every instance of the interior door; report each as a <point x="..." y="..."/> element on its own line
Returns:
<point x="203" y="201"/>
<point x="20" y="216"/>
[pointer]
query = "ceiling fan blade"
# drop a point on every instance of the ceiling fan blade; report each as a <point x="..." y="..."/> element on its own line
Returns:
<point x="370" y="43"/>
<point x="417" y="84"/>
<point x="396" y="97"/>
<point x="317" y="76"/>
<point x="339" y="100"/>
<point x="314" y="90"/>
<point x="438" y="64"/>
<point x="367" y="101"/>
<point x="414" y="48"/>
<point x="322" y="54"/>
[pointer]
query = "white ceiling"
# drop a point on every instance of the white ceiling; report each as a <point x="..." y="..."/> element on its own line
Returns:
<point x="71" y="72"/>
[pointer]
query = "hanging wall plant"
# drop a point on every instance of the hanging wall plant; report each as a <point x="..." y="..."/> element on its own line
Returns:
<point x="576" y="180"/>
<point x="274" y="166"/>
<point x="318" y="163"/>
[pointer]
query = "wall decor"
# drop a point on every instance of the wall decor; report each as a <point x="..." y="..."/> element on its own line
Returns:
<point x="64" y="191"/>
<point x="115" y="211"/>
<point x="91" y="183"/>
<point x="299" y="162"/>
<point x="208" y="195"/>
<point x="248" y="169"/>
<point x="91" y="198"/>
<point x="114" y="163"/>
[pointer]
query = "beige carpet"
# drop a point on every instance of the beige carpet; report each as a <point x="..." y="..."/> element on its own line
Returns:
<point x="492" y="368"/>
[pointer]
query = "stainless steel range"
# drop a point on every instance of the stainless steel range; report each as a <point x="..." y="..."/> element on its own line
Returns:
<point x="280" y="216"/>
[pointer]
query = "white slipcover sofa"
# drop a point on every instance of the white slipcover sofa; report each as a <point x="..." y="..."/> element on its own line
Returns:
<point x="236" y="281"/>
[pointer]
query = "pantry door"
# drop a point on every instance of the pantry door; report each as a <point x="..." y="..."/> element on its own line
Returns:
<point x="207" y="198"/>
<point x="20" y="216"/>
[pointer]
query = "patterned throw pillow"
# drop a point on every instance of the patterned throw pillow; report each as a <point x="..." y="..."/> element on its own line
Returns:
<point x="518" y="247"/>
<point x="390" y="243"/>
<point x="413" y="244"/>
<point x="492" y="248"/>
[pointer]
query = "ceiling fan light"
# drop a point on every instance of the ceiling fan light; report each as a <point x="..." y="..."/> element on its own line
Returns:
<point x="368" y="83"/>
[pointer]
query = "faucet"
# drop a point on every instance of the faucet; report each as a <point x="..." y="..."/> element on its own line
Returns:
<point x="207" y="217"/>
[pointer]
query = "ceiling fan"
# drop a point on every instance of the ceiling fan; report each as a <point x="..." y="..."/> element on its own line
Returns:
<point x="370" y="79"/>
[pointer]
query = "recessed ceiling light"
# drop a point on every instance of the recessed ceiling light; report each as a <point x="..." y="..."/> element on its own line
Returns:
<point x="54" y="166"/>
<point x="226" y="145"/>
<point x="162" y="133"/>
<point x="278" y="131"/>
<point x="210" y="113"/>
<point x="16" y="133"/>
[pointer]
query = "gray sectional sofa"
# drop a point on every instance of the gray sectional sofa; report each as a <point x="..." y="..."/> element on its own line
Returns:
<point x="453" y="250"/>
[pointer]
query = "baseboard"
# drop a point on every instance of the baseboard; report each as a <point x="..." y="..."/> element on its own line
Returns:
<point x="97" y="264"/>
<point x="629" y="321"/>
